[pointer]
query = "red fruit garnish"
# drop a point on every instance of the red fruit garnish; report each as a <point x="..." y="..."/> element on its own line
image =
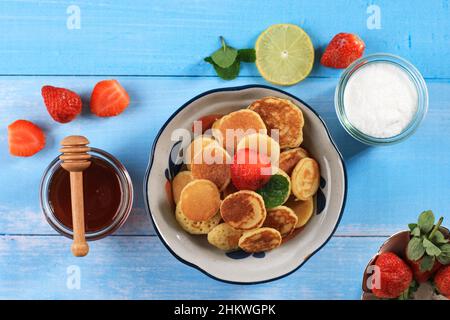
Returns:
<point x="109" y="99"/>
<point x="62" y="104"/>
<point x="422" y="276"/>
<point x="342" y="50"/>
<point x="25" y="138"/>
<point x="395" y="276"/>
<point x="442" y="281"/>
<point x="250" y="170"/>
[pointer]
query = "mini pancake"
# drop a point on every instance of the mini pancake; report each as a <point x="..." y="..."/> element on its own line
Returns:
<point x="284" y="115"/>
<point x="282" y="219"/>
<point x="305" y="178"/>
<point x="213" y="164"/>
<point x="290" y="158"/>
<point x="303" y="209"/>
<point x="179" y="182"/>
<point x="196" y="227"/>
<point x="196" y="147"/>
<point x="225" y="237"/>
<point x="237" y="124"/>
<point x="263" y="239"/>
<point x="199" y="200"/>
<point x="261" y="143"/>
<point x="243" y="210"/>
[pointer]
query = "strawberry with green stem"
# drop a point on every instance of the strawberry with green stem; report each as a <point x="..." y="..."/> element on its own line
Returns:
<point x="428" y="248"/>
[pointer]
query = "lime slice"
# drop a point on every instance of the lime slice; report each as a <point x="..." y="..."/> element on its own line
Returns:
<point x="284" y="54"/>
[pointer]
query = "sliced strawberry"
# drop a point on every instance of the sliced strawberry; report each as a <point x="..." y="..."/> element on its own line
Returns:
<point x="250" y="170"/>
<point x="25" y="138"/>
<point x="109" y="99"/>
<point x="62" y="104"/>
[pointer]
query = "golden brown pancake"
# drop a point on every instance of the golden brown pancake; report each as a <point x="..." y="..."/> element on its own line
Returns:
<point x="212" y="164"/>
<point x="196" y="227"/>
<point x="225" y="237"/>
<point x="199" y="200"/>
<point x="282" y="219"/>
<point x="263" y="239"/>
<point x="179" y="182"/>
<point x="283" y="115"/>
<point x="303" y="209"/>
<point x="239" y="123"/>
<point x="196" y="147"/>
<point x="243" y="210"/>
<point x="305" y="178"/>
<point x="290" y="158"/>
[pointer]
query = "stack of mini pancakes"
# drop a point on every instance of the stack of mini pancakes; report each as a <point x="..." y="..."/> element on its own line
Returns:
<point x="206" y="200"/>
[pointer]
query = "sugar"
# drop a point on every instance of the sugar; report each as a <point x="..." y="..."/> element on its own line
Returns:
<point x="380" y="99"/>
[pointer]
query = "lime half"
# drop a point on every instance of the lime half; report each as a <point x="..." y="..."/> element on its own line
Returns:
<point x="284" y="54"/>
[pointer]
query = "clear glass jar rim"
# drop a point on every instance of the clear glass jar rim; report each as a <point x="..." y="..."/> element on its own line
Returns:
<point x="124" y="210"/>
<point x="415" y="77"/>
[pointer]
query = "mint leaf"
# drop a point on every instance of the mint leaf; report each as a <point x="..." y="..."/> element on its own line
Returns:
<point x="275" y="191"/>
<point x="426" y="221"/>
<point x="439" y="238"/>
<point x="444" y="257"/>
<point x="247" y="55"/>
<point x="415" y="249"/>
<point x="430" y="248"/>
<point x="225" y="56"/>
<point x="229" y="73"/>
<point x="427" y="263"/>
<point x="416" y="232"/>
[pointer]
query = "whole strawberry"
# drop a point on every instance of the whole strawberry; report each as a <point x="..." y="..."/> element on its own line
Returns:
<point x="63" y="105"/>
<point x="250" y="170"/>
<point x="395" y="276"/>
<point x="342" y="50"/>
<point x="428" y="249"/>
<point x="442" y="281"/>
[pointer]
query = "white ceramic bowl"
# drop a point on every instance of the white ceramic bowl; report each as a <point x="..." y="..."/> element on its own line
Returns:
<point x="240" y="267"/>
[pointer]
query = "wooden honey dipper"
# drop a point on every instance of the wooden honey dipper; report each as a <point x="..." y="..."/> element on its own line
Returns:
<point x="75" y="159"/>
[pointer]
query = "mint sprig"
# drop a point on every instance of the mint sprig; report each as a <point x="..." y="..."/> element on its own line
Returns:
<point x="427" y="242"/>
<point x="227" y="60"/>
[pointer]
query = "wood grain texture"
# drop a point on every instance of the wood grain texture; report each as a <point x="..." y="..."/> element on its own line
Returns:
<point x="141" y="268"/>
<point x="172" y="37"/>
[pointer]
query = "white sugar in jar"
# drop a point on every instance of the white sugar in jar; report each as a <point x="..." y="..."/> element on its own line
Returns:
<point x="381" y="99"/>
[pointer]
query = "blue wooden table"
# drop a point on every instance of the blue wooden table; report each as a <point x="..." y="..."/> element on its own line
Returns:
<point x="155" y="49"/>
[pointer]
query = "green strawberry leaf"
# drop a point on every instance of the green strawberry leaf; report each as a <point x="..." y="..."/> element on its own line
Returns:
<point x="412" y="226"/>
<point x="430" y="248"/>
<point x="415" y="249"/>
<point x="427" y="263"/>
<point x="444" y="257"/>
<point x="438" y="238"/>
<point x="416" y="232"/>
<point x="275" y="191"/>
<point x="225" y="56"/>
<point x="426" y="221"/>
<point x="247" y="55"/>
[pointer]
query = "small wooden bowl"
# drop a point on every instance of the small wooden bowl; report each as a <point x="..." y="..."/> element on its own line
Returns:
<point x="397" y="244"/>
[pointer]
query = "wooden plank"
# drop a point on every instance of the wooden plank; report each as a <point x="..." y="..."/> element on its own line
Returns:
<point x="388" y="186"/>
<point x="141" y="268"/>
<point x="172" y="37"/>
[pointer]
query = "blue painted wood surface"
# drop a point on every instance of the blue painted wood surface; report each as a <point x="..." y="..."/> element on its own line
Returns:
<point x="155" y="49"/>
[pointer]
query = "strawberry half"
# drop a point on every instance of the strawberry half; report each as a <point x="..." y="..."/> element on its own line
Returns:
<point x="342" y="50"/>
<point x="109" y="99"/>
<point x="25" y="138"/>
<point x="62" y="104"/>
<point x="250" y="170"/>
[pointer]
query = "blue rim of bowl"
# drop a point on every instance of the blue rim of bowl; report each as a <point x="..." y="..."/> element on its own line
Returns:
<point x="152" y="156"/>
<point x="415" y="76"/>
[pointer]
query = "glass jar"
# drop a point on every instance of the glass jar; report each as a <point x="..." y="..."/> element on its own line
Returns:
<point x="121" y="214"/>
<point x="416" y="78"/>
